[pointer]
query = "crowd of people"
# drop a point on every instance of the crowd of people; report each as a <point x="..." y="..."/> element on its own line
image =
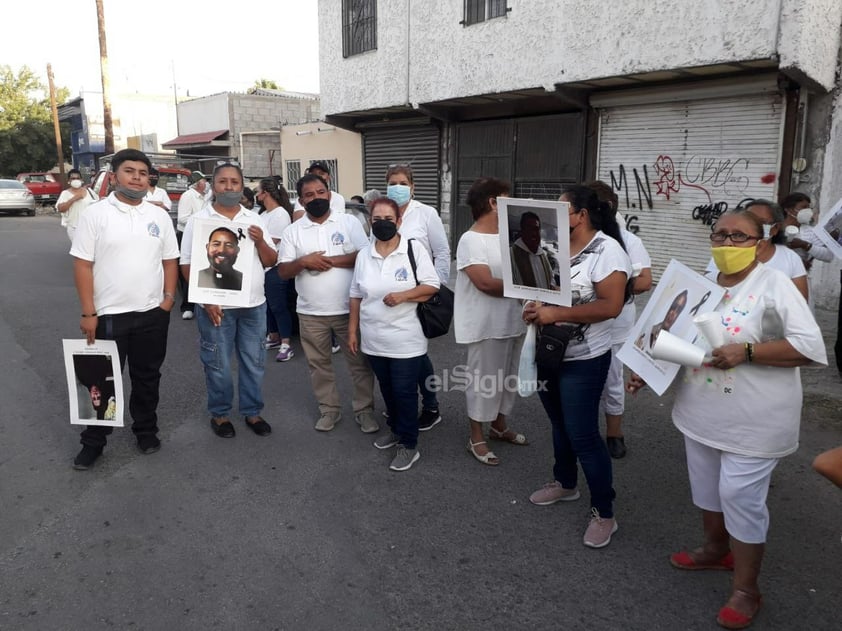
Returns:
<point x="358" y="287"/>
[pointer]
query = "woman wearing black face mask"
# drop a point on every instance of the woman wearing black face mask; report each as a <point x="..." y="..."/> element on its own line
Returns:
<point x="384" y="297"/>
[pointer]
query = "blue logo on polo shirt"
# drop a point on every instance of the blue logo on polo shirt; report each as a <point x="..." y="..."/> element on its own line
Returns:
<point x="337" y="238"/>
<point x="154" y="230"/>
<point x="401" y="274"/>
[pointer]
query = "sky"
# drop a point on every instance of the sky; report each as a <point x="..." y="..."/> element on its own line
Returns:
<point x="208" y="47"/>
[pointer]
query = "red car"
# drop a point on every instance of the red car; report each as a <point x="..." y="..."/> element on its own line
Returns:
<point x="174" y="180"/>
<point x="45" y="188"/>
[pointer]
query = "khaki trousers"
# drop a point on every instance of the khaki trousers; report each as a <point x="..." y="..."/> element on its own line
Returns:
<point x="315" y="340"/>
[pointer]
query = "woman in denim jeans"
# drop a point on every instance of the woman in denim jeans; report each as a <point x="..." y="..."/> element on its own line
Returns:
<point x="599" y="270"/>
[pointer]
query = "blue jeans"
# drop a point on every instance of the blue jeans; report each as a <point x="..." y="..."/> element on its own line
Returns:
<point x="241" y="330"/>
<point x="572" y="403"/>
<point x="278" y="315"/>
<point x="398" y="379"/>
<point x="429" y="401"/>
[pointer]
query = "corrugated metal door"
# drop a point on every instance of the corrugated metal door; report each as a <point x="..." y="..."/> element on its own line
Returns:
<point x="677" y="166"/>
<point x="416" y="145"/>
<point x="537" y="154"/>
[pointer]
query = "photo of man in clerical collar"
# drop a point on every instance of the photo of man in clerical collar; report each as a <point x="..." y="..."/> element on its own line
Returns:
<point x="223" y="247"/>
<point x="531" y="264"/>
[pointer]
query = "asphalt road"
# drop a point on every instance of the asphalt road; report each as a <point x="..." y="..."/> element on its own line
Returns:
<point x="304" y="530"/>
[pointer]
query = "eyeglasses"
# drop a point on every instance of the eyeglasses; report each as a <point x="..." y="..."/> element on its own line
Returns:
<point x="736" y="237"/>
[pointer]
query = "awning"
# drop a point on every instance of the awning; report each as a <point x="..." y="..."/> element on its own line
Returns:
<point x="204" y="138"/>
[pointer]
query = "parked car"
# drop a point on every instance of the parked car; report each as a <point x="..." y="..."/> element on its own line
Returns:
<point x="174" y="180"/>
<point x="44" y="186"/>
<point x="15" y="197"/>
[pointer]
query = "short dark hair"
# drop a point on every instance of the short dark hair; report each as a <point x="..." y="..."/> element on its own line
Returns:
<point x="321" y="165"/>
<point x="72" y="171"/>
<point x="529" y="215"/>
<point x="226" y="165"/>
<point x="154" y="171"/>
<point x="307" y="179"/>
<point x="127" y="155"/>
<point x="224" y="229"/>
<point x="481" y="191"/>
<point x="791" y="200"/>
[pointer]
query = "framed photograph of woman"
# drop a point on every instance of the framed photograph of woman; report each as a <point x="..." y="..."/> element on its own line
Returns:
<point x="222" y="255"/>
<point x="94" y="383"/>
<point x="535" y="240"/>
<point x="680" y="296"/>
<point x="829" y="229"/>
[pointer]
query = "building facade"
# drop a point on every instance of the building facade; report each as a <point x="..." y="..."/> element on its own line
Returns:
<point x="686" y="109"/>
<point x="246" y="126"/>
<point x="339" y="149"/>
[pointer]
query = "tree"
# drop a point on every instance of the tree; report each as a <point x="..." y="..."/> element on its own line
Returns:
<point x="27" y="141"/>
<point x="266" y="84"/>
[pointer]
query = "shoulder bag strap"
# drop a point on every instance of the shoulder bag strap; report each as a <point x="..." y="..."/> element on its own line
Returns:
<point x="412" y="260"/>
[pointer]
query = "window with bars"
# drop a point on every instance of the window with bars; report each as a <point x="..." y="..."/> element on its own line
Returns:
<point x="481" y="10"/>
<point x="293" y="175"/>
<point x="359" y="26"/>
<point x="333" y="165"/>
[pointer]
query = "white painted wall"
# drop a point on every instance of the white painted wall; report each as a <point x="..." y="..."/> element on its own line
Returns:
<point x="425" y="55"/>
<point x="205" y="114"/>
<point x="320" y="141"/>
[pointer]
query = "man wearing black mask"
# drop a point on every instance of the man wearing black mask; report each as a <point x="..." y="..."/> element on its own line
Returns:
<point x="319" y="251"/>
<point x="157" y="196"/>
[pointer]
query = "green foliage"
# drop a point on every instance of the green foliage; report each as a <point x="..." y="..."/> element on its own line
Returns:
<point x="27" y="140"/>
<point x="267" y="84"/>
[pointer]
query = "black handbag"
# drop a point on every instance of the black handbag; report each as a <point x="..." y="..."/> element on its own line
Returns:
<point x="436" y="313"/>
<point x="553" y="342"/>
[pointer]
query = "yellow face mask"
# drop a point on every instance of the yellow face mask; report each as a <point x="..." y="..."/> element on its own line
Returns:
<point x="732" y="260"/>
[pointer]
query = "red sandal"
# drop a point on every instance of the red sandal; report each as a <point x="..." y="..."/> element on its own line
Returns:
<point x="730" y="618"/>
<point x="683" y="561"/>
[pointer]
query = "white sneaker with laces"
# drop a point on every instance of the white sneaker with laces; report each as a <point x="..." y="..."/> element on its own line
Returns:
<point x="187" y="315"/>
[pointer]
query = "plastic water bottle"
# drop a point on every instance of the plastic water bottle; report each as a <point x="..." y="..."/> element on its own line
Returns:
<point x="771" y="325"/>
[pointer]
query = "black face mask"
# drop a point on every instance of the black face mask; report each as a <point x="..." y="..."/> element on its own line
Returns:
<point x="153" y="181"/>
<point x="318" y="207"/>
<point x="384" y="230"/>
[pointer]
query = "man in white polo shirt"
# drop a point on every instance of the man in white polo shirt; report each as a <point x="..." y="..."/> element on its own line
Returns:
<point x="125" y="267"/>
<point x="337" y="202"/>
<point x="319" y="251"/>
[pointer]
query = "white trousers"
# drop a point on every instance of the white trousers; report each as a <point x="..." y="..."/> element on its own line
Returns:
<point x="614" y="394"/>
<point x="492" y="389"/>
<point x="733" y="485"/>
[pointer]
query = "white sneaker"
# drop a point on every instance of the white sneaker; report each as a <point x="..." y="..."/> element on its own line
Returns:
<point x="187" y="315"/>
<point x="335" y="349"/>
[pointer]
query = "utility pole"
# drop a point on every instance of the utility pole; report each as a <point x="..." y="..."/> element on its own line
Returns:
<point x="56" y="128"/>
<point x="106" y="81"/>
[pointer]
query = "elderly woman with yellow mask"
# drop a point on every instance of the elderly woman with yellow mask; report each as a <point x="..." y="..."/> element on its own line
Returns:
<point x="740" y="413"/>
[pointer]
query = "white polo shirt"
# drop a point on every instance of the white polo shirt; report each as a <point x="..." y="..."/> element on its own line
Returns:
<point x="244" y="216"/>
<point x="391" y="331"/>
<point x="423" y="223"/>
<point x="322" y="293"/>
<point x="159" y="195"/>
<point x="127" y="245"/>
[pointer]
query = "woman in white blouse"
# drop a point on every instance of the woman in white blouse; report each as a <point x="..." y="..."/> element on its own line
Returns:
<point x="599" y="272"/>
<point x="741" y="412"/>
<point x="489" y="324"/>
<point x="422" y="223"/>
<point x="384" y="301"/>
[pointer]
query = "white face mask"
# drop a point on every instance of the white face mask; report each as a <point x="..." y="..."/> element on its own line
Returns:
<point x="75" y="183"/>
<point x="805" y="216"/>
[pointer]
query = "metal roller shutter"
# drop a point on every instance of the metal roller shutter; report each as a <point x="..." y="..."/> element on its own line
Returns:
<point x="416" y="145"/>
<point x="676" y="166"/>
